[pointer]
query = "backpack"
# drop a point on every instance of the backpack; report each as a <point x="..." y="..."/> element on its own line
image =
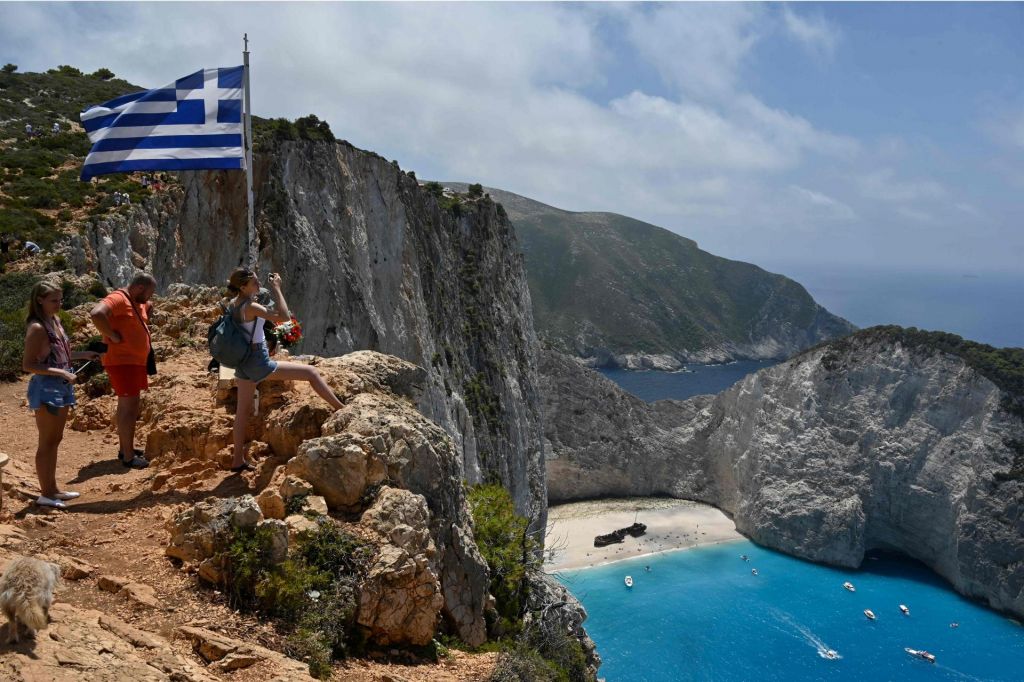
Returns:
<point x="228" y="341"/>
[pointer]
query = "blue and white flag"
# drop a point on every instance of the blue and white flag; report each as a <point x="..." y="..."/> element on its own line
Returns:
<point x="194" y="123"/>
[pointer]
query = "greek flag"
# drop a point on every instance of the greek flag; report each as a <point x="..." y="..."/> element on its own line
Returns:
<point x="193" y="123"/>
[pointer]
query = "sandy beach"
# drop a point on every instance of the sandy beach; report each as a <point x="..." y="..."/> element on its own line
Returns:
<point x="671" y="524"/>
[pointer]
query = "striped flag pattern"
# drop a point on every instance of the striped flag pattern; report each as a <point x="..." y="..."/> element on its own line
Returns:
<point x="194" y="123"/>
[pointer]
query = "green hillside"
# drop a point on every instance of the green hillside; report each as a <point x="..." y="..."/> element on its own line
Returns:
<point x="41" y="197"/>
<point x="606" y="281"/>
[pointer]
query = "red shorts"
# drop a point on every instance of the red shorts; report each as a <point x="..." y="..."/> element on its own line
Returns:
<point x="128" y="380"/>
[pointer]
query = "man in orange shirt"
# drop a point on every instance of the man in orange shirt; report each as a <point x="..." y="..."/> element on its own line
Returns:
<point x="123" y="319"/>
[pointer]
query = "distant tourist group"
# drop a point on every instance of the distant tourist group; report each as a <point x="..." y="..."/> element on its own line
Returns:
<point x="126" y="353"/>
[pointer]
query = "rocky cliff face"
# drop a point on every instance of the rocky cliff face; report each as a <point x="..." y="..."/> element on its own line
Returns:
<point x="865" y="443"/>
<point x="369" y="261"/>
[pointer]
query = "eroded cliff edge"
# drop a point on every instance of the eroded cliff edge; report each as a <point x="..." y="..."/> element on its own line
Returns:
<point x="370" y="261"/>
<point x="868" y="442"/>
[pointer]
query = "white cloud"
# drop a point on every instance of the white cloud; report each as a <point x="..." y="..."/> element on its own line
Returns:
<point x="883" y="185"/>
<point x="822" y="205"/>
<point x="696" y="47"/>
<point x="815" y="34"/>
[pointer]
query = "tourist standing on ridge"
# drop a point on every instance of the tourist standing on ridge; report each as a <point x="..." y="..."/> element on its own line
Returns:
<point x="51" y="391"/>
<point x="123" y="319"/>
<point x="245" y="285"/>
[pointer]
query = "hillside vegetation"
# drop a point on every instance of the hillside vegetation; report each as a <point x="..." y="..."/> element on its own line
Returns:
<point x="41" y="197"/>
<point x="607" y="281"/>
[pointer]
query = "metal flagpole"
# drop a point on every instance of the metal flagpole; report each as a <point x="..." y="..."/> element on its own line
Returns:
<point x="252" y="246"/>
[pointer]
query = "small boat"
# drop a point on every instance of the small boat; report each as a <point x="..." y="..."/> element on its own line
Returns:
<point x="831" y="654"/>
<point x="744" y="557"/>
<point x="850" y="587"/>
<point x="753" y="571"/>
<point x="629" y="581"/>
<point x="869" y="613"/>
<point x="904" y="609"/>
<point x="922" y="654"/>
<point x="954" y="625"/>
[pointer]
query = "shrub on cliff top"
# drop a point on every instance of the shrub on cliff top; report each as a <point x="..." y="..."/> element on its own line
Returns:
<point x="312" y="594"/>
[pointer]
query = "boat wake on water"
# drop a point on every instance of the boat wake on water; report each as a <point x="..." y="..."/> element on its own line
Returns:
<point x="805" y="635"/>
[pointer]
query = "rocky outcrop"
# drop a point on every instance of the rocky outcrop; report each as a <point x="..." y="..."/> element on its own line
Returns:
<point x="377" y="456"/>
<point x="553" y="607"/>
<point x="90" y="645"/>
<point x="377" y="438"/>
<point x="400" y="600"/>
<point x="867" y="443"/>
<point x="370" y="260"/>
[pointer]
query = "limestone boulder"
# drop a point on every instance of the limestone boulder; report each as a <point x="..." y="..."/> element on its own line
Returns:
<point x="202" y="531"/>
<point x="400" y="599"/>
<point x="377" y="438"/>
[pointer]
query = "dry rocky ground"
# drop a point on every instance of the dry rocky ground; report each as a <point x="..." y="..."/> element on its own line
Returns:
<point x="126" y="610"/>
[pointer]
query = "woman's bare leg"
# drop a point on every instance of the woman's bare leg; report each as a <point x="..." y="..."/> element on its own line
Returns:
<point x="51" y="432"/>
<point x="246" y="390"/>
<point x="296" y="371"/>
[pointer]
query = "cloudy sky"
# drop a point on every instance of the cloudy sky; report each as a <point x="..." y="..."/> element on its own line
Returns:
<point x="783" y="134"/>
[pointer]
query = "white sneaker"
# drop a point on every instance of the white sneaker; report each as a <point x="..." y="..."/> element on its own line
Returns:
<point x="66" y="495"/>
<point x="48" y="502"/>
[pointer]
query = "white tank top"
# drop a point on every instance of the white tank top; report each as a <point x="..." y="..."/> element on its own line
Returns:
<point x="257" y="335"/>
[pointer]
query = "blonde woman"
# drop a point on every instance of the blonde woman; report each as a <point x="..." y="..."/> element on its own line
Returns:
<point x="51" y="391"/>
<point x="245" y="284"/>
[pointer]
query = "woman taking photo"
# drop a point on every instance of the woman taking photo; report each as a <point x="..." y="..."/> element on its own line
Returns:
<point x="51" y="391"/>
<point x="258" y="366"/>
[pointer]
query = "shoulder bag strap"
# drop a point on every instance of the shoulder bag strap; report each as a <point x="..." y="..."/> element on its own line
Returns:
<point x="138" y="314"/>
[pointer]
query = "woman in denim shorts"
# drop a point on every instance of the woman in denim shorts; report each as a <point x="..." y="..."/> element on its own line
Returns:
<point x="51" y="391"/>
<point x="244" y="284"/>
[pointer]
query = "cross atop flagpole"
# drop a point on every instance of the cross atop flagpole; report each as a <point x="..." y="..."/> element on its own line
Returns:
<point x="252" y="241"/>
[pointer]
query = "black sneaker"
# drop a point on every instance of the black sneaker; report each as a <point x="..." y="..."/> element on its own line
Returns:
<point x="138" y="460"/>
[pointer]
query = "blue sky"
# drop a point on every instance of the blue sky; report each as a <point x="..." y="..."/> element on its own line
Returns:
<point x="847" y="134"/>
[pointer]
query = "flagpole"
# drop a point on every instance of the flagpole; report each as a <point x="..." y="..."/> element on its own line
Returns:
<point x="252" y="247"/>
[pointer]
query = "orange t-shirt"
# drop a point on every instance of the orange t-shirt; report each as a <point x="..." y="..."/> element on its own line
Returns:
<point x="134" y="346"/>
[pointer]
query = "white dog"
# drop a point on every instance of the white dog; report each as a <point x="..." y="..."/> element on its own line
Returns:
<point x="26" y="593"/>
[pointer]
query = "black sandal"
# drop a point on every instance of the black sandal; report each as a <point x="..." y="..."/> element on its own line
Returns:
<point x="244" y="466"/>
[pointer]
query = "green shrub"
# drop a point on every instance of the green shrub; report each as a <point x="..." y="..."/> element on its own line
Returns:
<point x="9" y="68"/>
<point x="103" y="73"/>
<point x="505" y="543"/>
<point x="312" y="594"/>
<point x="475" y="191"/>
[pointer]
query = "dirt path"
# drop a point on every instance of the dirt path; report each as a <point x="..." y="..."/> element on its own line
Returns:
<point x="117" y="525"/>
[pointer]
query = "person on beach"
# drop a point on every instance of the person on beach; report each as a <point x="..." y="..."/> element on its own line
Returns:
<point x="123" y="320"/>
<point x="51" y="391"/>
<point x="245" y="286"/>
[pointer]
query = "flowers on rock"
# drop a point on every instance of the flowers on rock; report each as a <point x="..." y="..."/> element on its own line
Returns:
<point x="288" y="333"/>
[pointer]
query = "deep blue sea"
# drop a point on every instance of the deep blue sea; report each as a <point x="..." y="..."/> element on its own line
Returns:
<point x="700" y="615"/>
<point x="697" y="380"/>
<point x="983" y="307"/>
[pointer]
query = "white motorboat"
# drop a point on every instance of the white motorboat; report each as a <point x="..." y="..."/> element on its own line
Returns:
<point x="744" y="557"/>
<point x="850" y="587"/>
<point x="922" y="654"/>
<point x="954" y="625"/>
<point x="831" y="654"/>
<point x="753" y="571"/>
<point x="904" y="609"/>
<point x="870" y="614"/>
<point x="629" y="581"/>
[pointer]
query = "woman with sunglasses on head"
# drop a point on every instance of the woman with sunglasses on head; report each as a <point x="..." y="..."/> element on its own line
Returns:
<point x="51" y="391"/>
<point x="245" y="285"/>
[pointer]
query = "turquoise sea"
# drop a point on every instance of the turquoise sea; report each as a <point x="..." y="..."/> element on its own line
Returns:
<point x="701" y="615"/>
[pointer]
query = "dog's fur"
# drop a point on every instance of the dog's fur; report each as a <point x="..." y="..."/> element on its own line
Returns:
<point x="26" y="593"/>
